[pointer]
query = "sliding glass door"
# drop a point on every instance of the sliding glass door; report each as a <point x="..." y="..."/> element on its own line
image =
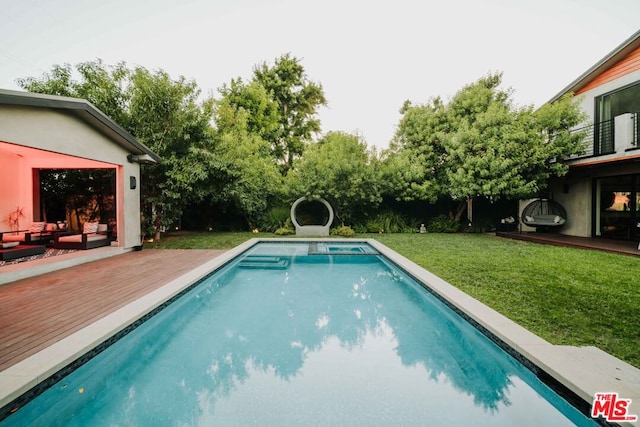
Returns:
<point x="617" y="200"/>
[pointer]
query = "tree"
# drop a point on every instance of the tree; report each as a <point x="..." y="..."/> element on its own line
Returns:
<point x="253" y="105"/>
<point x="340" y="169"/>
<point x="103" y="85"/>
<point x="167" y="116"/>
<point x="413" y="166"/>
<point x="480" y="145"/>
<point x="246" y="177"/>
<point x="297" y="100"/>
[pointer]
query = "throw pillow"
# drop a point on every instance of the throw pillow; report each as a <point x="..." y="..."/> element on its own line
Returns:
<point x="90" y="227"/>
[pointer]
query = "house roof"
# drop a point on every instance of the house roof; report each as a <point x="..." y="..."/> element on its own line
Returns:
<point x="628" y="46"/>
<point x="85" y="111"/>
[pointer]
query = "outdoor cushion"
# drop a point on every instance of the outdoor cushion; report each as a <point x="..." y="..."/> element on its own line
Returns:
<point x="90" y="227"/>
<point x="6" y="245"/>
<point x="77" y="238"/>
<point x="102" y="228"/>
<point x="37" y="227"/>
<point x="17" y="237"/>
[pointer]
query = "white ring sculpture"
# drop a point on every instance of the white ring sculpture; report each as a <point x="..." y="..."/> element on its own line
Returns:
<point x="311" y="230"/>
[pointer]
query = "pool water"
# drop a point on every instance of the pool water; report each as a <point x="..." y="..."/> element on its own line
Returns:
<point x="285" y="335"/>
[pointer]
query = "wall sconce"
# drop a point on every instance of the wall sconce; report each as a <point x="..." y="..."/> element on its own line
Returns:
<point x="132" y="182"/>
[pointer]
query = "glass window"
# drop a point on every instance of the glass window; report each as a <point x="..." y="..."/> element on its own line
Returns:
<point x="626" y="100"/>
<point x="615" y="215"/>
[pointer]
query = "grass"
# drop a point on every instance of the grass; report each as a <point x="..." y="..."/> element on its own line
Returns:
<point x="566" y="296"/>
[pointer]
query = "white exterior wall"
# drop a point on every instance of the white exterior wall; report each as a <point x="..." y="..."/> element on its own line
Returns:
<point x="62" y="133"/>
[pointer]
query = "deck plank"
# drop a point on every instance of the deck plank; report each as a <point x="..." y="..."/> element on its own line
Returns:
<point x="39" y="311"/>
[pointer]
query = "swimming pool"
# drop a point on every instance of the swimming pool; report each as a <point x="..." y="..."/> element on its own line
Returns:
<point x="302" y="333"/>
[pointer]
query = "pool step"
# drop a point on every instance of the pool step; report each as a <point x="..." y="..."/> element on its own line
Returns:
<point x="264" y="262"/>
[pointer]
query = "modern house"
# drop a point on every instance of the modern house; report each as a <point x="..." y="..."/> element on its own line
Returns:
<point x="42" y="133"/>
<point x="601" y="192"/>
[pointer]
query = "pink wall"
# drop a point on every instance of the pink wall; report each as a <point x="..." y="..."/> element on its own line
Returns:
<point x="16" y="177"/>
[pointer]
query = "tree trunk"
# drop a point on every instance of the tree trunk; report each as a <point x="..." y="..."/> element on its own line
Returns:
<point x="462" y="206"/>
<point x="156" y="223"/>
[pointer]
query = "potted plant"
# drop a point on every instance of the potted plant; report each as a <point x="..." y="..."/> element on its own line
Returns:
<point x="14" y="219"/>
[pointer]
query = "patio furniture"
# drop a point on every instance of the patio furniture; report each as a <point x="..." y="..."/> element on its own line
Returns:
<point x="39" y="233"/>
<point x="313" y="229"/>
<point x="90" y="238"/>
<point x="543" y="213"/>
<point x="19" y="251"/>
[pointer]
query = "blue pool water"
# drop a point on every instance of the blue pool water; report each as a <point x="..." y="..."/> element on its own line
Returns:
<point x="302" y="334"/>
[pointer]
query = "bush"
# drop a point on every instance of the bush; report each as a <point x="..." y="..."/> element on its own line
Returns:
<point x="360" y="229"/>
<point x="343" y="231"/>
<point x="286" y="229"/>
<point x="275" y="218"/>
<point x="388" y="222"/>
<point x="443" y="224"/>
<point x="374" y="226"/>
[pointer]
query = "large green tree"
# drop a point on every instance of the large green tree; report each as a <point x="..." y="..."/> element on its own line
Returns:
<point x="168" y="117"/>
<point x="105" y="86"/>
<point x="480" y="145"/>
<point x="297" y="99"/>
<point x="246" y="178"/>
<point x="340" y="169"/>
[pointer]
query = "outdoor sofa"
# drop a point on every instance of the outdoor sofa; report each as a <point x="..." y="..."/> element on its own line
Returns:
<point x="93" y="235"/>
<point x="40" y="233"/>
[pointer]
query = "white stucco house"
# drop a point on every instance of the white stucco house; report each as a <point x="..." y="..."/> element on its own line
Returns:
<point x="601" y="192"/>
<point x="40" y="132"/>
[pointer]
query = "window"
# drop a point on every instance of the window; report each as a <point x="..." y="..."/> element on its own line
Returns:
<point x="625" y="100"/>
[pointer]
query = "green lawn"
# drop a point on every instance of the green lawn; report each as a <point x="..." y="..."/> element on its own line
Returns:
<point x="566" y="296"/>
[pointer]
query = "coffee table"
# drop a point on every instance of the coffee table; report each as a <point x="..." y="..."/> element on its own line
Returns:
<point x="21" y="251"/>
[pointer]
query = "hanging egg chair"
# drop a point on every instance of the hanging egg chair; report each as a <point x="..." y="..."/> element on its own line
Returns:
<point x="543" y="213"/>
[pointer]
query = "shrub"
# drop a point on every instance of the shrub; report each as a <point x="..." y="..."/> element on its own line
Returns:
<point x="343" y="231"/>
<point x="374" y="226"/>
<point x="275" y="218"/>
<point x="360" y="229"/>
<point x="388" y="222"/>
<point x="286" y="229"/>
<point x="443" y="224"/>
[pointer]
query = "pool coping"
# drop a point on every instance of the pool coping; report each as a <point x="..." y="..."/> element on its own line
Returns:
<point x="582" y="370"/>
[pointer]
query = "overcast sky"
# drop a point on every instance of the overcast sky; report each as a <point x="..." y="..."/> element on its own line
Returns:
<point x="370" y="56"/>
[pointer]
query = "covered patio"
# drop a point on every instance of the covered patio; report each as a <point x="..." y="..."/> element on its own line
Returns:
<point x="68" y="164"/>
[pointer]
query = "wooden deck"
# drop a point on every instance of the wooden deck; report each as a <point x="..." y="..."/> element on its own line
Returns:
<point x="623" y="247"/>
<point x="39" y="311"/>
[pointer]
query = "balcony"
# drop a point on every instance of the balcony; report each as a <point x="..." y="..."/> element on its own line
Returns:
<point x="609" y="137"/>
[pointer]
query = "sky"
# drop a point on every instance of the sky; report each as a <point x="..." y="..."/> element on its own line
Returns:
<point x="369" y="56"/>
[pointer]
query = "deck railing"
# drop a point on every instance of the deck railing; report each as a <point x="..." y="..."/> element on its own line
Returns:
<point x="600" y="139"/>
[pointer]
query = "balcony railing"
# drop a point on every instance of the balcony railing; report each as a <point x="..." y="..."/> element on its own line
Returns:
<point x="601" y="139"/>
